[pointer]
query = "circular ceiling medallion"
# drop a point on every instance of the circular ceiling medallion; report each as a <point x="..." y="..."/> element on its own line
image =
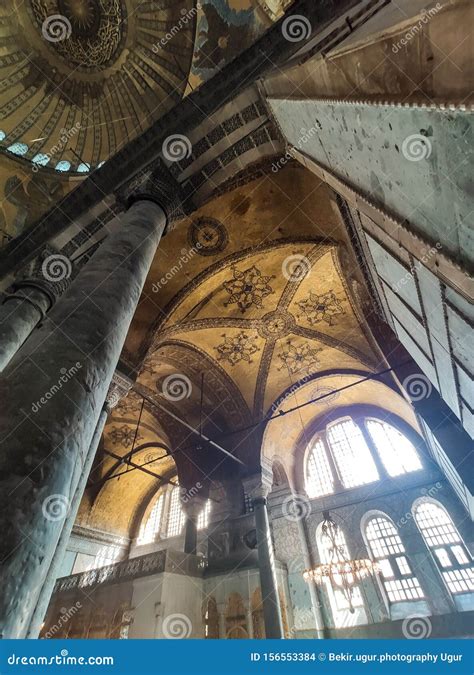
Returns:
<point x="276" y="324"/>
<point x="85" y="33"/>
<point x="208" y="236"/>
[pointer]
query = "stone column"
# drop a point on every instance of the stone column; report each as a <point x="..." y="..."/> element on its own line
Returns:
<point x="118" y="389"/>
<point x="54" y="391"/>
<point x="20" y="313"/>
<point x="258" y="488"/>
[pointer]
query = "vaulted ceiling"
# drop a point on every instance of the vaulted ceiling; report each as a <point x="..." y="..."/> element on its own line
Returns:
<point x="249" y="299"/>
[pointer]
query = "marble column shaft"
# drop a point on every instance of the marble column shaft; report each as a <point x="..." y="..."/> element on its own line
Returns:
<point x="20" y="313"/>
<point x="53" y="392"/>
<point x="266" y="564"/>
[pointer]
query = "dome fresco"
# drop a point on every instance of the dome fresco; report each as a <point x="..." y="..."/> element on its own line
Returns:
<point x="82" y="78"/>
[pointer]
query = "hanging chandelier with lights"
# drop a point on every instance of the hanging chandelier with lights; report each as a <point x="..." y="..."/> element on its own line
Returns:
<point x="343" y="572"/>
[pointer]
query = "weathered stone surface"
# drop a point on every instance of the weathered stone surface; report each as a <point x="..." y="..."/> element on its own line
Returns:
<point x="52" y="394"/>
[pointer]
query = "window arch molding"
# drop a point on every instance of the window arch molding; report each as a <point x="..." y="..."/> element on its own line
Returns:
<point x="404" y="574"/>
<point x="446" y="546"/>
<point x="355" y="412"/>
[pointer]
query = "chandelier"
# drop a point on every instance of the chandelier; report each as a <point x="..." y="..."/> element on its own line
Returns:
<point x="343" y="572"/>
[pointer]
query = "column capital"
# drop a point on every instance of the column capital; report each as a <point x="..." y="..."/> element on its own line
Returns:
<point x="259" y="484"/>
<point x="159" y="186"/>
<point x="118" y="389"/>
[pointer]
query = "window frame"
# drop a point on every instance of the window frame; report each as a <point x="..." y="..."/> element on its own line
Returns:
<point x="455" y="566"/>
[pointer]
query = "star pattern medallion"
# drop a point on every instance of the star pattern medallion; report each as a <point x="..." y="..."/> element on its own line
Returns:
<point x="124" y="436"/>
<point x="299" y="359"/>
<point x="322" y="307"/>
<point x="237" y="348"/>
<point x="247" y="288"/>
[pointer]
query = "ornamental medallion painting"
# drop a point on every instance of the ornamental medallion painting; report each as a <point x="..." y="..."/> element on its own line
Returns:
<point x="299" y="359"/>
<point x="237" y="348"/>
<point x="247" y="288"/>
<point x="317" y="308"/>
<point x="124" y="436"/>
<point x="208" y="236"/>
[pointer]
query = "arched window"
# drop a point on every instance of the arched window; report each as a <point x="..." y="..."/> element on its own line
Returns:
<point x="396" y="452"/>
<point x="387" y="548"/>
<point x="442" y="537"/>
<point x="203" y="518"/>
<point x="2" y="135"/>
<point x="83" y="167"/>
<point x="18" y="148"/>
<point x="150" y="528"/>
<point x="40" y="159"/>
<point x="63" y="165"/>
<point x="342" y="455"/>
<point x="319" y="478"/>
<point x="176" y="516"/>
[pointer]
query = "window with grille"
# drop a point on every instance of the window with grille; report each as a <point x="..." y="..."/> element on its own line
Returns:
<point x="176" y="516"/>
<point x="396" y="452"/>
<point x="342" y="456"/>
<point x="203" y="518"/>
<point x="150" y="528"/>
<point x="319" y="478"/>
<point x="351" y="454"/>
<point x="329" y="555"/>
<point x="387" y="548"/>
<point x="248" y="503"/>
<point x="451" y="555"/>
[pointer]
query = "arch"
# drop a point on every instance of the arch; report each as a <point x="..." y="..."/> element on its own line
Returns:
<point x="445" y="544"/>
<point x="386" y="547"/>
<point x="211" y="619"/>
<point x="235" y="618"/>
<point x="63" y="165"/>
<point x="18" y="148"/>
